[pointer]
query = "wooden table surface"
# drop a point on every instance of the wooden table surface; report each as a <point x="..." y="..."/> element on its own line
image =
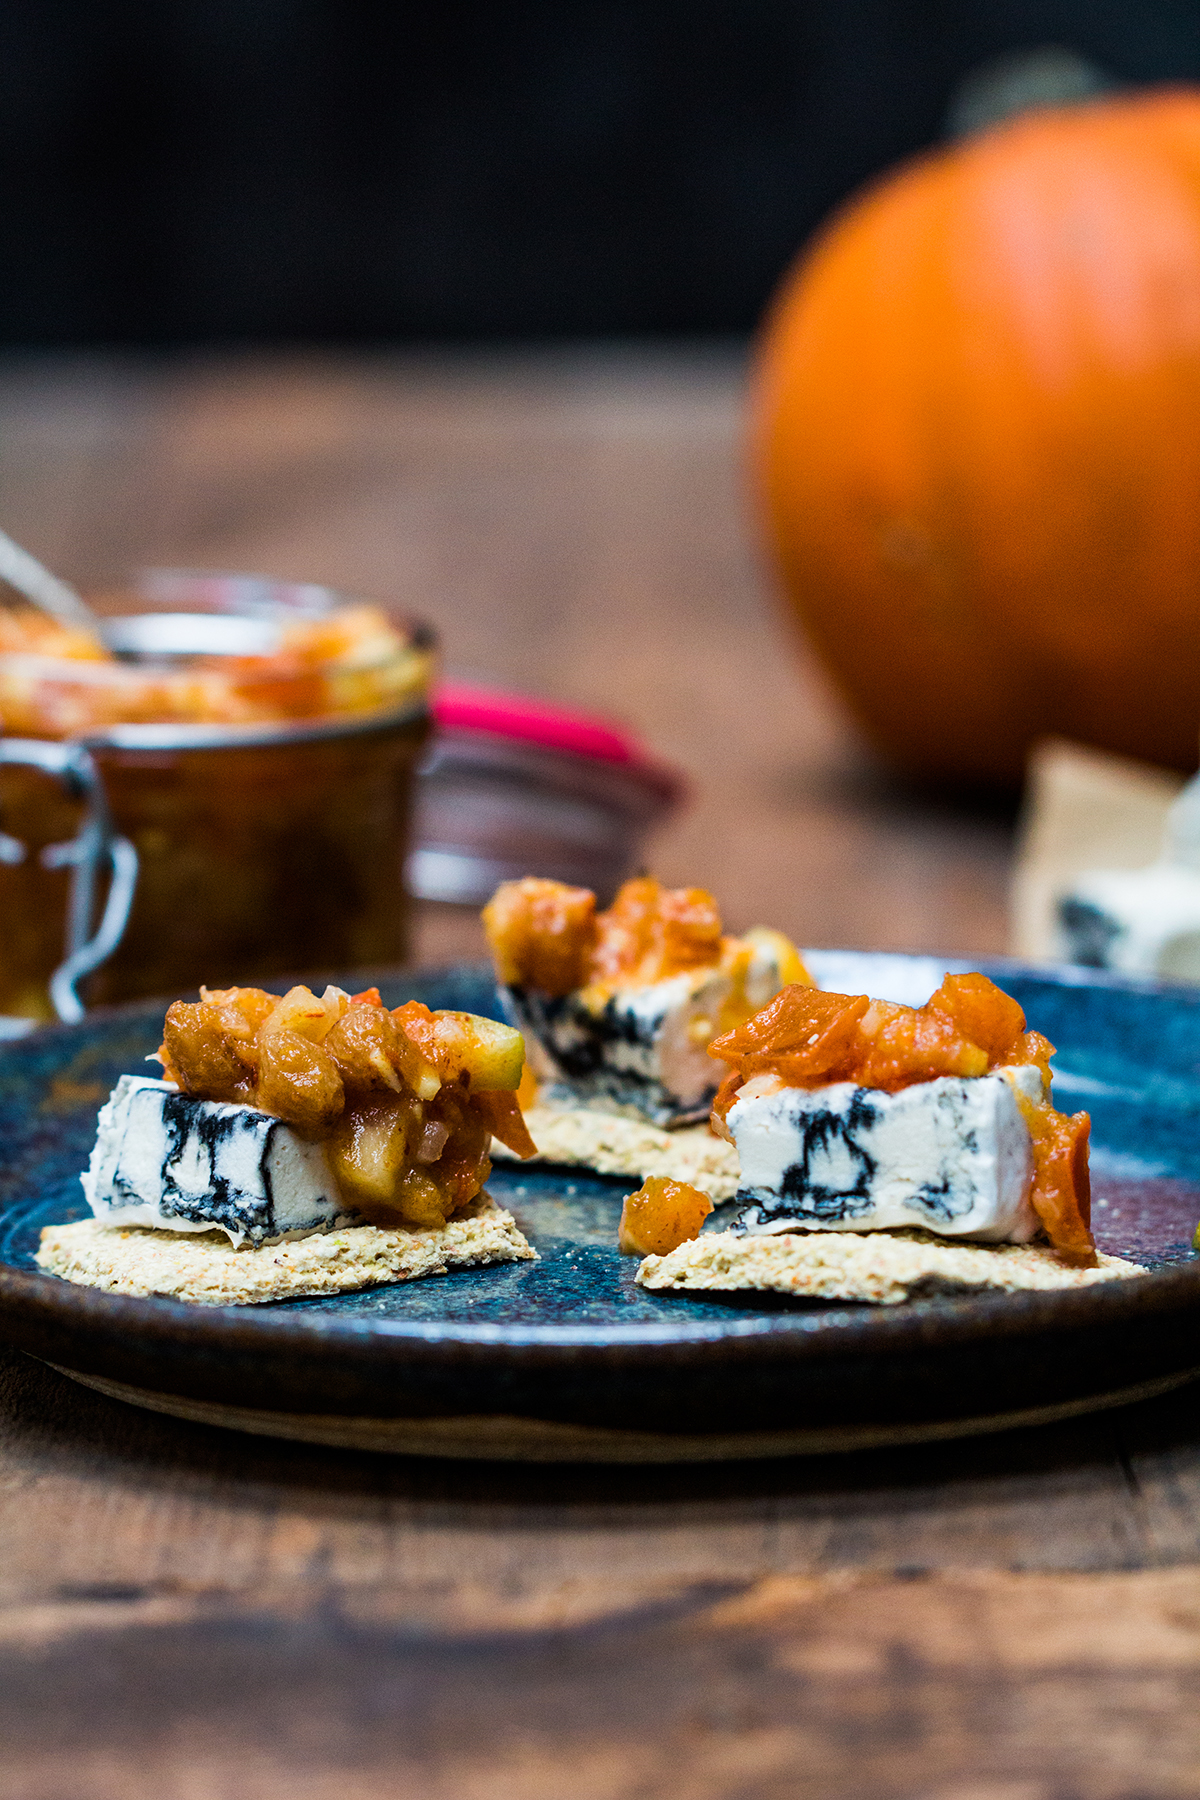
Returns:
<point x="186" y="1614"/>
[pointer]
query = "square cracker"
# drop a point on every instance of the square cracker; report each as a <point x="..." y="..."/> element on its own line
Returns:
<point x="206" y="1268"/>
<point x="882" y="1267"/>
<point x="612" y="1144"/>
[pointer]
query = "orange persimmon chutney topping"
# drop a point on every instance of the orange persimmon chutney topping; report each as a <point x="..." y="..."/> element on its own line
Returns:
<point x="807" y="1039"/>
<point x="406" y="1101"/>
<point x="662" y="1215"/>
<point x="548" y="937"/>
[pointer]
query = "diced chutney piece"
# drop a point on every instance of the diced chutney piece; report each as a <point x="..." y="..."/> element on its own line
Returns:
<point x="662" y="1215"/>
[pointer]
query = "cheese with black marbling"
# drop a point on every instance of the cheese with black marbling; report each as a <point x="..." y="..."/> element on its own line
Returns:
<point x="1139" y="921"/>
<point x="164" y="1159"/>
<point x="638" y="1051"/>
<point x="952" y="1155"/>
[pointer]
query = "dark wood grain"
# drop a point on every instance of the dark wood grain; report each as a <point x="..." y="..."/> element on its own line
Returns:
<point x="190" y="1612"/>
<point x="185" y="1613"/>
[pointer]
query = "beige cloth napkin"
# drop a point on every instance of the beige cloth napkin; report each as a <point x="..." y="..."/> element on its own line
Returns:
<point x="1083" y="809"/>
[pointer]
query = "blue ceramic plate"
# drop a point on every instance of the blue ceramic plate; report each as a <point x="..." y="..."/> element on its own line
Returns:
<point x="565" y="1357"/>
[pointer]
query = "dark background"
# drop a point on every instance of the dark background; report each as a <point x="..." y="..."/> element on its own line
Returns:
<point x="191" y="170"/>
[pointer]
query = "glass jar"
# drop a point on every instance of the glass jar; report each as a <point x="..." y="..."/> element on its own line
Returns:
<point x="257" y="742"/>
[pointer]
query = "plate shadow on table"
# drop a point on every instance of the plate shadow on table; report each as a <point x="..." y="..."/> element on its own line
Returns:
<point x="47" y="1420"/>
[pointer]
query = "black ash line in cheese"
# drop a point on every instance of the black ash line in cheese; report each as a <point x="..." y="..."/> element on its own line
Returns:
<point x="813" y="1189"/>
<point x="182" y="1119"/>
<point x="822" y="1134"/>
<point x="1090" y="932"/>
<point x="580" y="1041"/>
<point x="579" y="1037"/>
<point x="943" y="1198"/>
<point x="166" y="1159"/>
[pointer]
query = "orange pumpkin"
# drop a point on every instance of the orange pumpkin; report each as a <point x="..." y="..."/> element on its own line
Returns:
<point x="977" y="432"/>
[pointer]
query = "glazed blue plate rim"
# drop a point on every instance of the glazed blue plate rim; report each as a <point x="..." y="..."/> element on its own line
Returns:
<point x="793" y="1335"/>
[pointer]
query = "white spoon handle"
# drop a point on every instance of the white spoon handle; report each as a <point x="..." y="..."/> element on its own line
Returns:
<point x="27" y="575"/>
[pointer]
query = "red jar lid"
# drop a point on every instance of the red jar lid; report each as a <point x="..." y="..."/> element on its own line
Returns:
<point x="458" y="706"/>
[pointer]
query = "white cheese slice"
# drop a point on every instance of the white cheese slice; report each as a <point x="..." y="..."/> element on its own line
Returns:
<point x="632" y="1051"/>
<point x="952" y="1155"/>
<point x="163" y="1159"/>
<point x="1140" y="921"/>
<point x="638" y="1052"/>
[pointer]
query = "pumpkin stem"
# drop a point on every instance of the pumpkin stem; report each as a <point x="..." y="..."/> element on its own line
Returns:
<point x="1023" y="81"/>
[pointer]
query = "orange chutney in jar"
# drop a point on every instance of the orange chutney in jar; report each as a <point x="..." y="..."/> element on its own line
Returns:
<point x="258" y="744"/>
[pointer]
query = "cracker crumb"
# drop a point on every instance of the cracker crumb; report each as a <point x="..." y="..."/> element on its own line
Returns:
<point x="614" y="1145"/>
<point x="206" y="1268"/>
<point x="881" y="1267"/>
